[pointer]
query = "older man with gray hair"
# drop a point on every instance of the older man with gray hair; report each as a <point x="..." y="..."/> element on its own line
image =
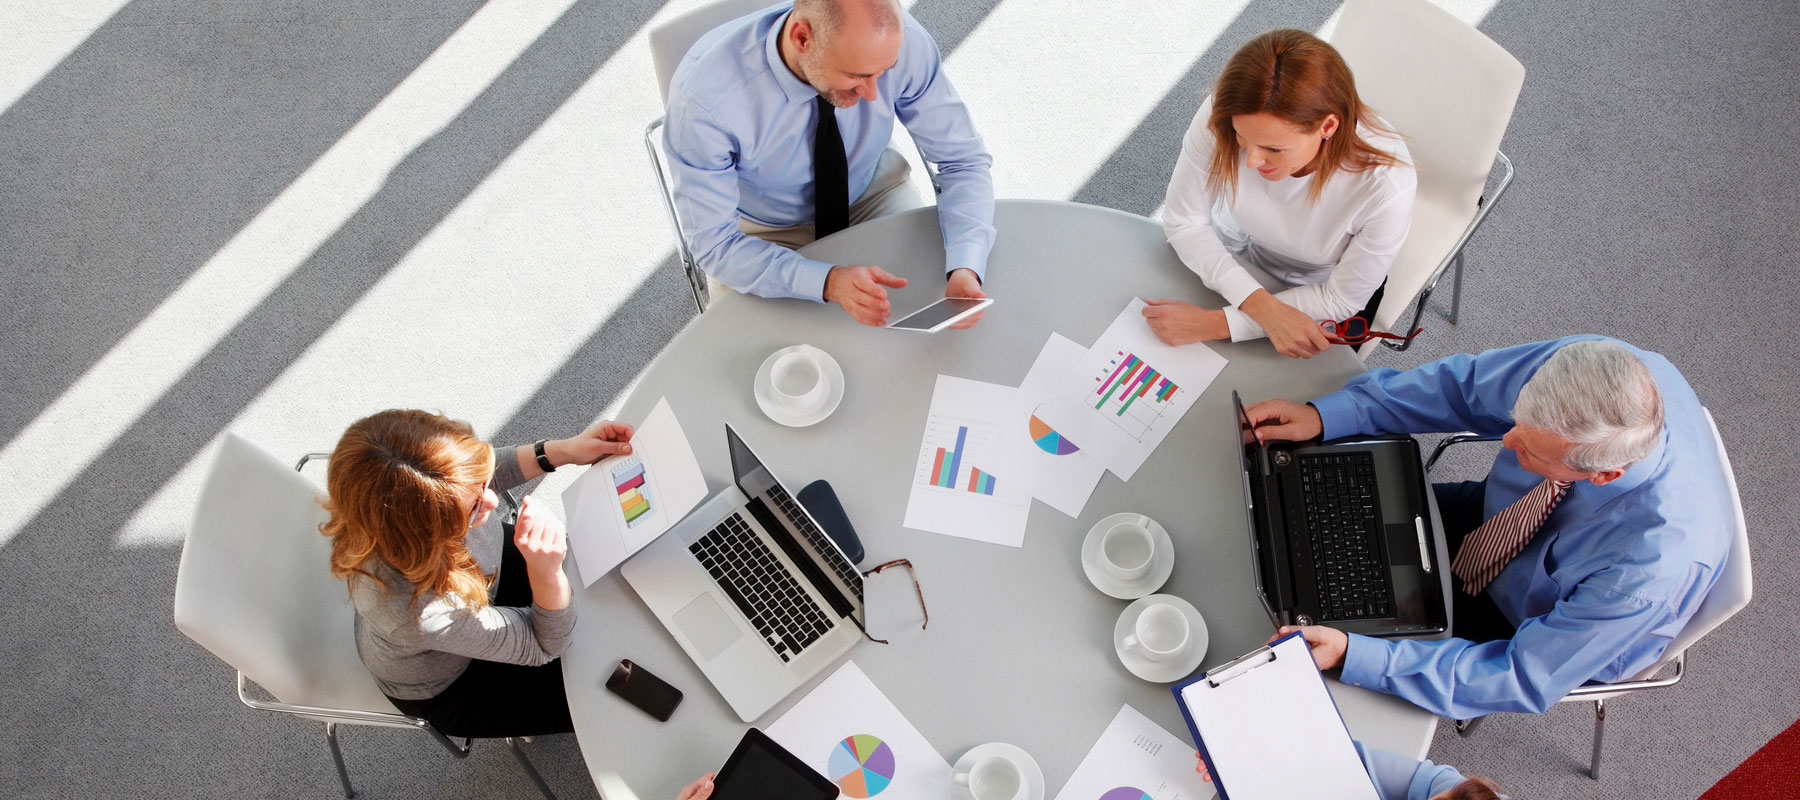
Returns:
<point x="1599" y="528"/>
<point x="778" y="130"/>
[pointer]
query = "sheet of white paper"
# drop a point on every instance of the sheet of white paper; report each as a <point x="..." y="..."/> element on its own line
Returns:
<point x="1129" y="391"/>
<point x="851" y="733"/>
<point x="952" y="490"/>
<point x="1030" y="453"/>
<point x="1135" y="759"/>
<point x="623" y="502"/>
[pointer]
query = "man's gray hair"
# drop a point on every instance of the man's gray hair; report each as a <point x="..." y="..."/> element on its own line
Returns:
<point x="827" y="16"/>
<point x="1599" y="396"/>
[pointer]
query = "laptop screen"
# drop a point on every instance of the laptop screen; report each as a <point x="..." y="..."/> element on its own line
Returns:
<point x="824" y="556"/>
<point x="1252" y="475"/>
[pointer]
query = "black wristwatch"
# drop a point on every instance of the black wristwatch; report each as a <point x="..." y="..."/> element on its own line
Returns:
<point x="543" y="460"/>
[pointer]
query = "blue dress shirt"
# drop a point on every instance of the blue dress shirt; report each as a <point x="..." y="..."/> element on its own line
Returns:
<point x="1397" y="777"/>
<point x="740" y="135"/>
<point x="1607" y="582"/>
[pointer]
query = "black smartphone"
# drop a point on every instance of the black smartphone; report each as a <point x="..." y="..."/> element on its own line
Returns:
<point x="644" y="690"/>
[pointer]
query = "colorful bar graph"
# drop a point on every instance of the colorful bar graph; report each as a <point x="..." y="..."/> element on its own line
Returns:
<point x="634" y="492"/>
<point x="962" y="435"/>
<point x="980" y="482"/>
<point x="1132" y="379"/>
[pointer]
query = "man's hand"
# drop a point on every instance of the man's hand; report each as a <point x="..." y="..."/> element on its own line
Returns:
<point x="862" y="292"/>
<point x="1327" y="643"/>
<point x="963" y="283"/>
<point x="1284" y="421"/>
<point x="698" y="790"/>
<point x="601" y="439"/>
<point x="1293" y="333"/>
<point x="1178" y="323"/>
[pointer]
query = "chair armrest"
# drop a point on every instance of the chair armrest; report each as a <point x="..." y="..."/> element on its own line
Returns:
<point x="1454" y="439"/>
<point x="1580" y="692"/>
<point x="334" y="714"/>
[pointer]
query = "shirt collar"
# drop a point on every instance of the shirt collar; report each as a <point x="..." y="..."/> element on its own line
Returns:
<point x="797" y="90"/>
<point x="1634" y="476"/>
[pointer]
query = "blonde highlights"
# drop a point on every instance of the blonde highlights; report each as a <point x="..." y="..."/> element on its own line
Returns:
<point x="1298" y="78"/>
<point x="401" y="485"/>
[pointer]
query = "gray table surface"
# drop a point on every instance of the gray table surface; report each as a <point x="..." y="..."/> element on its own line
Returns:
<point x="1019" y="647"/>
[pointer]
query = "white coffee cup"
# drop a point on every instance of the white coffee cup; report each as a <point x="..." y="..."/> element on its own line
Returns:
<point x="797" y="380"/>
<point x="1161" y="632"/>
<point x="996" y="777"/>
<point x="1126" y="550"/>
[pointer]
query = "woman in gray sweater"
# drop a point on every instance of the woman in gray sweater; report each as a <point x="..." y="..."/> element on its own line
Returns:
<point x="459" y="622"/>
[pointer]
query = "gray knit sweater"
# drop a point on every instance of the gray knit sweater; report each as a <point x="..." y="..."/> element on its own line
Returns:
<point x="416" y="649"/>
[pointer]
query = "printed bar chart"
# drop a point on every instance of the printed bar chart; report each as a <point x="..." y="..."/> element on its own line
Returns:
<point x="948" y="470"/>
<point x="980" y="482"/>
<point x="1128" y="380"/>
<point x="634" y="490"/>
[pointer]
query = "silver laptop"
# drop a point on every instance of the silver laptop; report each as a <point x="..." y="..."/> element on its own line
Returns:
<point x="752" y="588"/>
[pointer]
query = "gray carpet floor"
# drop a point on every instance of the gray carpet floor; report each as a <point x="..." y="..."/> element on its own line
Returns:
<point x="157" y="157"/>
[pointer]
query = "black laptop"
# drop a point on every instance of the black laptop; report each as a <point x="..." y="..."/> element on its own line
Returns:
<point x="1343" y="535"/>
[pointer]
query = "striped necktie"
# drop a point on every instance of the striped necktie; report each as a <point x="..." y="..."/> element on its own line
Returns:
<point x="1485" y="552"/>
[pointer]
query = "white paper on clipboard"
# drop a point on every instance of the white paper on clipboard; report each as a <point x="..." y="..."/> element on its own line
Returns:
<point x="1260" y="718"/>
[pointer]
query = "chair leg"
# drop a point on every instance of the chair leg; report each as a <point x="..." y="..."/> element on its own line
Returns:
<point x="1599" y="738"/>
<point x="530" y="771"/>
<point x="1466" y="727"/>
<point x="337" y="758"/>
<point x="1456" y="289"/>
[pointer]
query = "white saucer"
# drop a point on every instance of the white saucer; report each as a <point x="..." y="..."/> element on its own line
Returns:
<point x="1161" y="671"/>
<point x="834" y="391"/>
<point x="1161" y="564"/>
<point x="1034" y="777"/>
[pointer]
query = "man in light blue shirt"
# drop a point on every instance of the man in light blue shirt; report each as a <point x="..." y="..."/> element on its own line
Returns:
<point x="1613" y="572"/>
<point x="744" y="107"/>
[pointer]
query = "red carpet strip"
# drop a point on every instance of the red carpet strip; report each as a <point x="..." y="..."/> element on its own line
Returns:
<point x="1772" y="773"/>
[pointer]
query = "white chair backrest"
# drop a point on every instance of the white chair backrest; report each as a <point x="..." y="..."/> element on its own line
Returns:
<point x="255" y="585"/>
<point x="1450" y="90"/>
<point x="671" y="41"/>
<point x="1731" y="592"/>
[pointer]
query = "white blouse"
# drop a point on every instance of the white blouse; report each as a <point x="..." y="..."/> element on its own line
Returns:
<point x="1332" y="254"/>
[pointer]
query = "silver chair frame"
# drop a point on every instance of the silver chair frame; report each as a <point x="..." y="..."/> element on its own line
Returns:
<point x="1579" y="694"/>
<point x="332" y="717"/>
<point x="695" y="276"/>
<point x="1455" y="258"/>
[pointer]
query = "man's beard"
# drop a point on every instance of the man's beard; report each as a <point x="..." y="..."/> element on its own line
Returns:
<point x="837" y="98"/>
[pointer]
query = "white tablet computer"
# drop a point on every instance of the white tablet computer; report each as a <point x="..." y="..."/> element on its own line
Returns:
<point x="941" y="314"/>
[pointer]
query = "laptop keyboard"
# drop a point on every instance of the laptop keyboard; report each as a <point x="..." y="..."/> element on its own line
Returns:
<point x="845" y="570"/>
<point x="744" y="566"/>
<point x="1345" y="528"/>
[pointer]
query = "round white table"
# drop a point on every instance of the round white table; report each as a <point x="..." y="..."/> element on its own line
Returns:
<point x="1019" y="647"/>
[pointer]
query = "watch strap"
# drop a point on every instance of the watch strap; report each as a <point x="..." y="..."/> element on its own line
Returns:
<point x="543" y="460"/>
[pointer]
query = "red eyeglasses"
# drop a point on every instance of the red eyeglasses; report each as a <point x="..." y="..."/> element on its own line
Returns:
<point x="1355" y="330"/>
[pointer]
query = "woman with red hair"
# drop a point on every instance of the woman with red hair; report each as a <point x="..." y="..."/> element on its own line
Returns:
<point x="1284" y="169"/>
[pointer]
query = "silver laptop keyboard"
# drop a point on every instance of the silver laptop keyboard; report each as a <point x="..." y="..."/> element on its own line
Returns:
<point x="845" y="570"/>
<point x="744" y="566"/>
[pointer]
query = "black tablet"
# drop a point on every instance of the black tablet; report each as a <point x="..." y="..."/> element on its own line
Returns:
<point x="760" y="769"/>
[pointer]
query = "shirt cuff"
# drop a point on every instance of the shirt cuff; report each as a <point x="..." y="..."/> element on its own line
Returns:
<point x="1241" y="326"/>
<point x="966" y="256"/>
<point x="1365" y="663"/>
<point x="810" y="278"/>
<point x="1236" y="286"/>
<point x="1337" y="416"/>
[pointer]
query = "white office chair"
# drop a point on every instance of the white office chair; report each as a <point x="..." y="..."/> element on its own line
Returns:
<point x="1727" y="597"/>
<point x="1450" y="90"/>
<point x="255" y="589"/>
<point x="669" y="44"/>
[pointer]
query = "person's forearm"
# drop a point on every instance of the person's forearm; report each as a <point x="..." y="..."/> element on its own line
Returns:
<point x="551" y="591"/>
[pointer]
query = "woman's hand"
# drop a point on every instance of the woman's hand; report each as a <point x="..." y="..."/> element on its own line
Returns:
<point x="1293" y="333"/>
<point x="1178" y="323"/>
<point x="601" y="439"/>
<point x="542" y="541"/>
<point x="698" y="790"/>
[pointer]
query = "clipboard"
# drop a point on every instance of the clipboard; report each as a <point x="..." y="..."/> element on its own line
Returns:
<point x="1267" y="728"/>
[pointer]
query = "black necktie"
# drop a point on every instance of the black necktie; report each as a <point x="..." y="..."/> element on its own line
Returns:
<point x="831" y="175"/>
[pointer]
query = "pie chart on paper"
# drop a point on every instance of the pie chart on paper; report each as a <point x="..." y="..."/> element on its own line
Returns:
<point x="1049" y="441"/>
<point x="1126" y="793"/>
<point x="862" y="766"/>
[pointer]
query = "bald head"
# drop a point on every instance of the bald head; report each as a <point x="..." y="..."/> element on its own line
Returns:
<point x="840" y="47"/>
<point x="853" y="19"/>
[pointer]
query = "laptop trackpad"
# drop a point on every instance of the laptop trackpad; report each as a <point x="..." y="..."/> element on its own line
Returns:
<point x="707" y="625"/>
